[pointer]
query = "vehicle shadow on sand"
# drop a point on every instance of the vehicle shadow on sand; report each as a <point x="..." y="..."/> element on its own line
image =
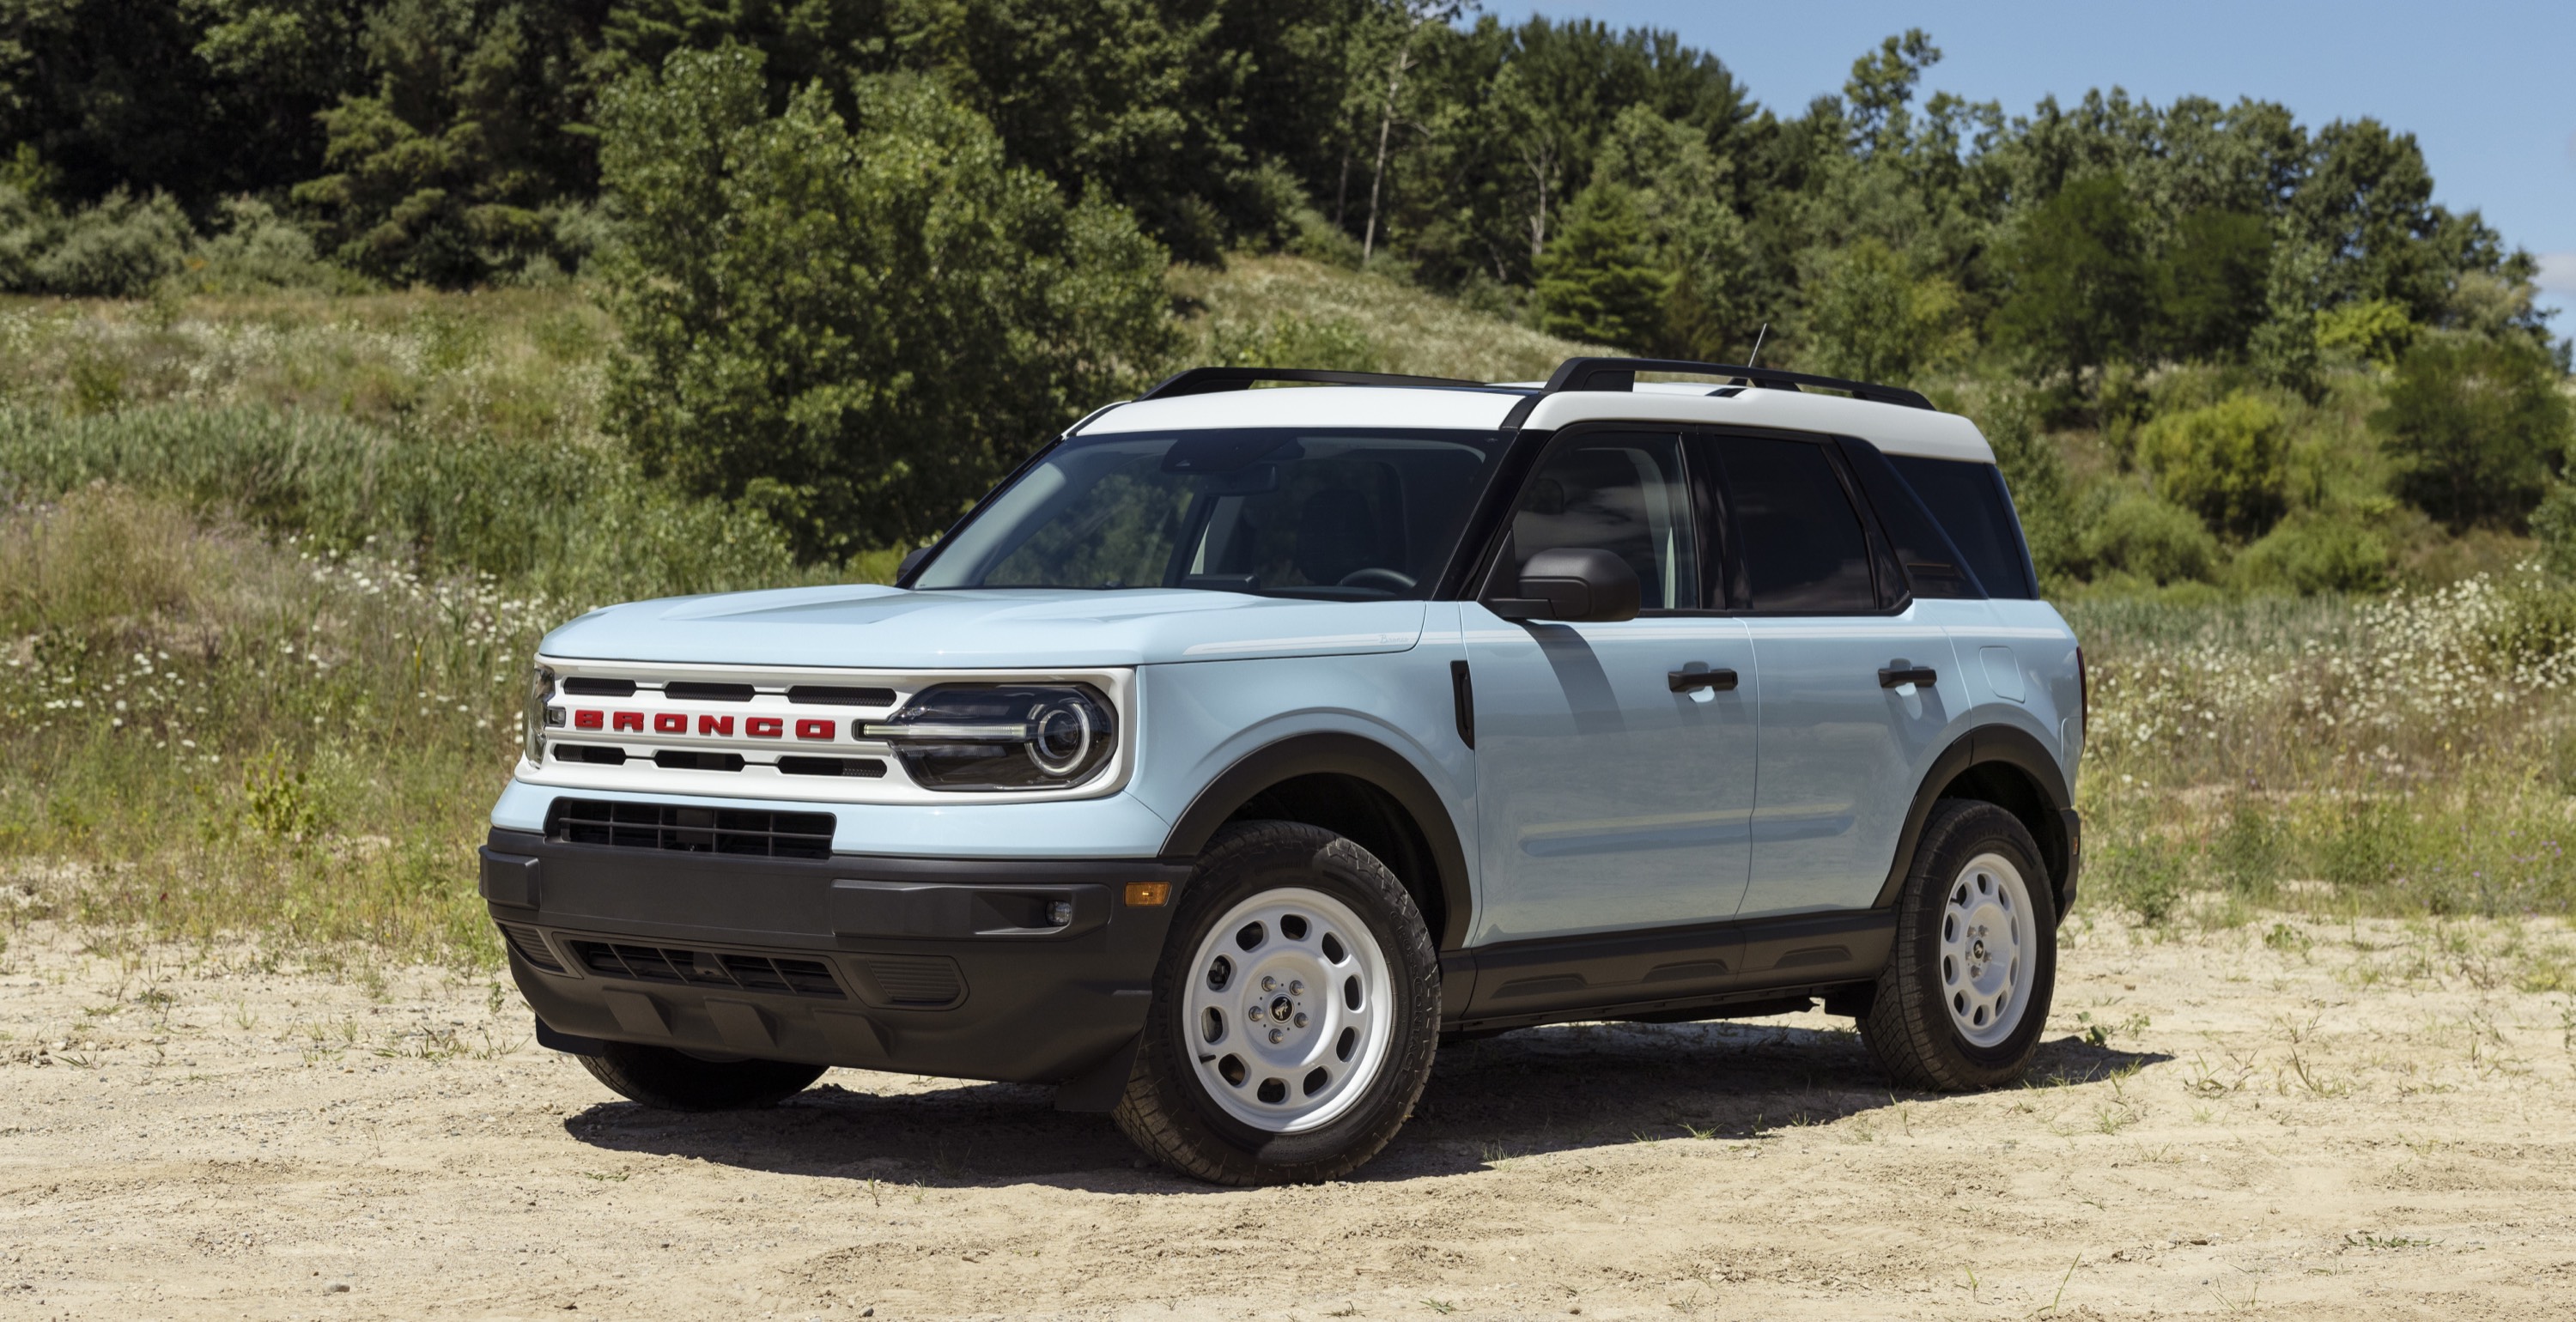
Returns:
<point x="1534" y="1091"/>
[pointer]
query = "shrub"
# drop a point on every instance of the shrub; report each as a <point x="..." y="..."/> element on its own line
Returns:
<point x="2228" y="462"/>
<point x="119" y="248"/>
<point x="2477" y="426"/>
<point x="2554" y="523"/>
<point x="2152" y="538"/>
<point x="259" y="250"/>
<point x="2144" y="877"/>
<point x="2315" y="552"/>
<point x="2249" y="852"/>
<point x="1289" y="340"/>
<point x="856" y="326"/>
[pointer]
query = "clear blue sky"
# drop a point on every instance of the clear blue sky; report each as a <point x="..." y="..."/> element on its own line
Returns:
<point x="2487" y="86"/>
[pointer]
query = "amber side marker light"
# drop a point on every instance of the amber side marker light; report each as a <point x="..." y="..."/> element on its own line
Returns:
<point x="1148" y="894"/>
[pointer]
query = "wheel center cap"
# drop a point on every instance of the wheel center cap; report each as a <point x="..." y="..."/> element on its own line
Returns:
<point x="1281" y="1007"/>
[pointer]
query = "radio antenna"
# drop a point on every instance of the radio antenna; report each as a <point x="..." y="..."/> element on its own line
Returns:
<point x="1754" y="359"/>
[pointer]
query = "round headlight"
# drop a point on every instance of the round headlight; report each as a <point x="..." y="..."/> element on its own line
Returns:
<point x="1061" y="735"/>
<point x="1002" y="736"/>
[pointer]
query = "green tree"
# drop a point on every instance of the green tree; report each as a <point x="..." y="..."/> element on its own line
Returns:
<point x="1873" y="320"/>
<point x="1598" y="282"/>
<point x="2212" y="283"/>
<point x="855" y="324"/>
<point x="457" y="166"/>
<point x="2478" y="426"/>
<point x="2079" y="288"/>
<point x="1679" y="187"/>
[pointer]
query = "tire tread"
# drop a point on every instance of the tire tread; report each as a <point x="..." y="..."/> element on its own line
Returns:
<point x="1906" y="1028"/>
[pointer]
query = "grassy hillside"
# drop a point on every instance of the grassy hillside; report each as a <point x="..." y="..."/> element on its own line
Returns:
<point x="272" y="567"/>
<point x="1285" y="310"/>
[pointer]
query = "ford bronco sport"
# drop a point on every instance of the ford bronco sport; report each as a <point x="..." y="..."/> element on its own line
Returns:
<point x="1246" y="742"/>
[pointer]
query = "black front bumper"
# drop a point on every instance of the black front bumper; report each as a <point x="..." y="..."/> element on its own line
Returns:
<point x="1027" y="971"/>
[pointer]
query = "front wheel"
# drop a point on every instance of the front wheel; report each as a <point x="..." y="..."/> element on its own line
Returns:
<point x="1966" y="991"/>
<point x="676" y="1081"/>
<point x="1295" y="1013"/>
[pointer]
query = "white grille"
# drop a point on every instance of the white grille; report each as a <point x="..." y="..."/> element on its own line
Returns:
<point x="764" y="733"/>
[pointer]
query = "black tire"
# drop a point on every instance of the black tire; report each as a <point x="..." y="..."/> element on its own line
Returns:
<point x="1910" y="1026"/>
<point x="676" y="1081"/>
<point x="1168" y="1110"/>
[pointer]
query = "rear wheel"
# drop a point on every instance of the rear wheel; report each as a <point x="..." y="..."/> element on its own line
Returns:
<point x="1966" y="991"/>
<point x="677" y="1081"/>
<point x="1294" y="1017"/>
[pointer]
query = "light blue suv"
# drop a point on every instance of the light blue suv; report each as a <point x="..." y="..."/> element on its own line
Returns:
<point x="1246" y="742"/>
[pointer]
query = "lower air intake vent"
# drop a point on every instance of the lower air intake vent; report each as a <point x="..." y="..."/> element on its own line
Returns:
<point x="531" y="947"/>
<point x="914" y="982"/>
<point x="691" y="830"/>
<point x="774" y="974"/>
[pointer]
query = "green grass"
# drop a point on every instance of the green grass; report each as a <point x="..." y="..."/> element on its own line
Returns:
<point x="1282" y="310"/>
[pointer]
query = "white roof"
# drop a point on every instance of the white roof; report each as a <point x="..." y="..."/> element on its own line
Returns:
<point x="1893" y="428"/>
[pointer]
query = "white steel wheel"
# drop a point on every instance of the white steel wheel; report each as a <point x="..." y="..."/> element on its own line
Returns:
<point x="1987" y="940"/>
<point x="1288" y="1010"/>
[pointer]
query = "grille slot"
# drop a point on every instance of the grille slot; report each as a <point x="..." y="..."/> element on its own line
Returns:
<point x="671" y="759"/>
<point x="916" y="982"/>
<point x="531" y="946"/>
<point x="831" y="766"/>
<point x="607" y="757"/>
<point x="777" y="975"/>
<point x="587" y="687"/>
<point x="691" y="830"/>
<point x="694" y="691"/>
<point x="841" y="695"/>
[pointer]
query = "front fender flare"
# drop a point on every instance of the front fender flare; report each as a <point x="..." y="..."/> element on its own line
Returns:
<point x="1344" y="755"/>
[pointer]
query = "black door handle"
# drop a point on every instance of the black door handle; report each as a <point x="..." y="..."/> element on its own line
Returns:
<point x="1720" y="680"/>
<point x="1892" y="676"/>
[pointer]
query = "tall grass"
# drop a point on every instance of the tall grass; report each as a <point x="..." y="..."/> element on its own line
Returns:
<point x="270" y="574"/>
<point x="2412" y="754"/>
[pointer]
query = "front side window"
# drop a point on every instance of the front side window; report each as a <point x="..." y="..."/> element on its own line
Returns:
<point x="1330" y="514"/>
<point x="1624" y="493"/>
<point x="1803" y="549"/>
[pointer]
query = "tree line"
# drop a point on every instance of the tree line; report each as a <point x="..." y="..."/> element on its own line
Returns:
<point x="829" y="225"/>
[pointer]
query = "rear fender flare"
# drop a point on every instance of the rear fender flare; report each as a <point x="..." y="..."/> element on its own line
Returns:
<point x="2003" y="747"/>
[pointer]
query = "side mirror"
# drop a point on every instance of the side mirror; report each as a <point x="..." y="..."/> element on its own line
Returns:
<point x="912" y="560"/>
<point x="1575" y="584"/>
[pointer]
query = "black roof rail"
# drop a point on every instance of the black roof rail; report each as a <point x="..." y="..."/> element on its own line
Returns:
<point x="1621" y="374"/>
<point x="1211" y="380"/>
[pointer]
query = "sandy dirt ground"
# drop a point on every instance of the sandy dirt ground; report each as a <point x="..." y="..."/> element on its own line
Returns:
<point x="2293" y="1120"/>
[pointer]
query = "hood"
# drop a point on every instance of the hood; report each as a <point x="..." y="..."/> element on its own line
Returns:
<point x="886" y="628"/>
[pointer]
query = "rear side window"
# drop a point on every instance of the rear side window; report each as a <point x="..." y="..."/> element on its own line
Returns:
<point x="1803" y="549"/>
<point x="1970" y="501"/>
<point x="1933" y="567"/>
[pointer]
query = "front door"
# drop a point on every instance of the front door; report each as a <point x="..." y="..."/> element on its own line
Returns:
<point x="1842" y="729"/>
<point x="1611" y="794"/>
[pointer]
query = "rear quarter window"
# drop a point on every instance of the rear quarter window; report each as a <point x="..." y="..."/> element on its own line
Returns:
<point x="1970" y="501"/>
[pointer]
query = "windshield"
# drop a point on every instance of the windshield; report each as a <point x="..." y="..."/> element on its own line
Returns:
<point x="1330" y="513"/>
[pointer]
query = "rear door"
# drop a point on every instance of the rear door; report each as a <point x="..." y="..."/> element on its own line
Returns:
<point x="1854" y="686"/>
<point x="1611" y="795"/>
